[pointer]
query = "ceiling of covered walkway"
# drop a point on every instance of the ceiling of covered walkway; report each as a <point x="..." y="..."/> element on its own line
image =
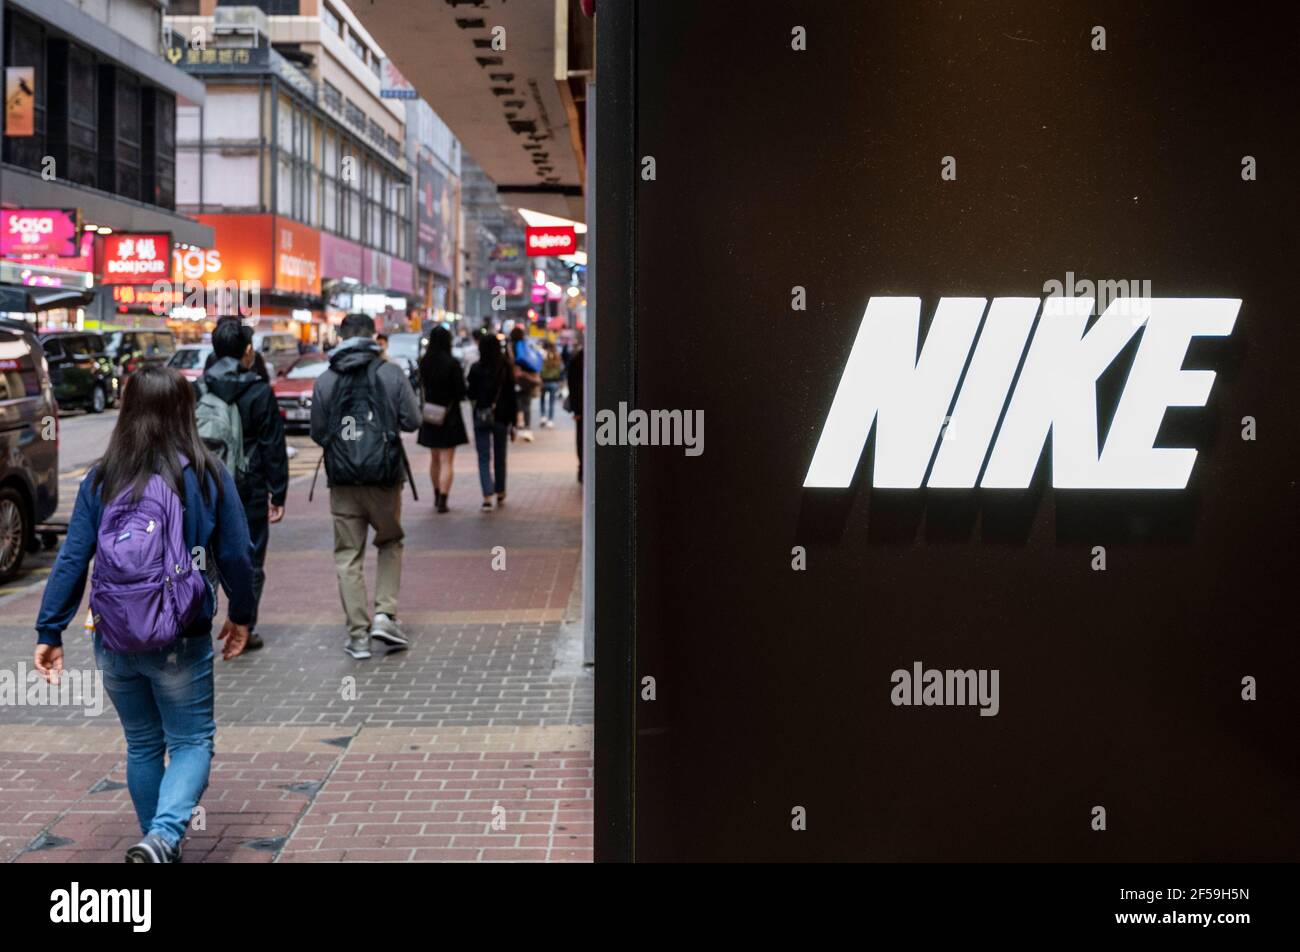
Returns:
<point x="520" y="123"/>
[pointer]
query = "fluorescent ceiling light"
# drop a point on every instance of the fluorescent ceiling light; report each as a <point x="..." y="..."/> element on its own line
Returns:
<point x="543" y="220"/>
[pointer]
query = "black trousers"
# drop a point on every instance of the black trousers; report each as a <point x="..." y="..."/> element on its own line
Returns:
<point x="259" y="532"/>
<point x="577" y="425"/>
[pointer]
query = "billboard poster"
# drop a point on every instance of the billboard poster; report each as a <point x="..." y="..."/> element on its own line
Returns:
<point x="393" y="85"/>
<point x="20" y="101"/>
<point x="436" y="219"/>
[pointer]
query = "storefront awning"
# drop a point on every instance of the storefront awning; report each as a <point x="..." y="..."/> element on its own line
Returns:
<point x="15" y="298"/>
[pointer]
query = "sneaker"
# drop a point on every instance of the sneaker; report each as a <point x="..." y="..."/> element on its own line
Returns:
<point x="526" y="435"/>
<point x="358" y="646"/>
<point x="501" y="500"/>
<point x="153" y="849"/>
<point x="254" y="641"/>
<point x="385" y="629"/>
<point x="487" y="504"/>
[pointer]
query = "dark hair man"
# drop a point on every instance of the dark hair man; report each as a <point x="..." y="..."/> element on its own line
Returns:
<point x="359" y="407"/>
<point x="240" y="420"/>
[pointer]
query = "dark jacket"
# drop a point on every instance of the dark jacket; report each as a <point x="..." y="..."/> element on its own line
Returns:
<point x="221" y="529"/>
<point x="483" y="391"/>
<point x="441" y="379"/>
<point x="268" y="462"/>
<point x="353" y="355"/>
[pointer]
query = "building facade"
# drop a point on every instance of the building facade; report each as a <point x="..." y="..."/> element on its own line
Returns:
<point x="299" y="162"/>
<point x="88" y="156"/>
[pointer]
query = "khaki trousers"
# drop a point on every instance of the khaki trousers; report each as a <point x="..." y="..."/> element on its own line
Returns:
<point x="356" y="509"/>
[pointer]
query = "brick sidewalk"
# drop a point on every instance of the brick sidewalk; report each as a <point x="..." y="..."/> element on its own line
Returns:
<point x="473" y="745"/>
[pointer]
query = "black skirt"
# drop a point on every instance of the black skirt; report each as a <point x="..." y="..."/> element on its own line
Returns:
<point x="450" y="433"/>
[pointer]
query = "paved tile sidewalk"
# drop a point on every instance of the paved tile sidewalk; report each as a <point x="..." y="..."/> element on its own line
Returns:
<point x="473" y="745"/>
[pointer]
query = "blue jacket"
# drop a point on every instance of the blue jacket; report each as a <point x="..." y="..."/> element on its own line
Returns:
<point x="222" y="530"/>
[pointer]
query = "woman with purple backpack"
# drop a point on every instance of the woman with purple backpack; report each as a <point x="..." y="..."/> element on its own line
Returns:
<point x="158" y="514"/>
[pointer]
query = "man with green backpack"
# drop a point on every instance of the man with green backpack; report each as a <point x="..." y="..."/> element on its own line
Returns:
<point x="240" y="422"/>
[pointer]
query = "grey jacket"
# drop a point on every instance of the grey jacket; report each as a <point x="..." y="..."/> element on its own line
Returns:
<point x="351" y="355"/>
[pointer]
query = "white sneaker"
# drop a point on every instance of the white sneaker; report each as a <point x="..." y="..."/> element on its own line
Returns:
<point x="526" y="435"/>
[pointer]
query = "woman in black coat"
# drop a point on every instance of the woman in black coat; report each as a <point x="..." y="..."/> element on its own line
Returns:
<point x="492" y="390"/>
<point x="443" y="384"/>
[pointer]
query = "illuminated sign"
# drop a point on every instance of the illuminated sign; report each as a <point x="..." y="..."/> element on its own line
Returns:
<point x="908" y="399"/>
<point x="135" y="258"/>
<point x="39" y="231"/>
<point x="550" y="240"/>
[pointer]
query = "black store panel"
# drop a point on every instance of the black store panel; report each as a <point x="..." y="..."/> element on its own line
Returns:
<point x="939" y="151"/>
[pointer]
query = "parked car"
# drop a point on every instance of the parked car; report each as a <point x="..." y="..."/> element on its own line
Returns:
<point x="190" y="360"/>
<point x="131" y="350"/>
<point x="279" y="349"/>
<point x="29" y="444"/>
<point x="81" y="372"/>
<point x="293" y="389"/>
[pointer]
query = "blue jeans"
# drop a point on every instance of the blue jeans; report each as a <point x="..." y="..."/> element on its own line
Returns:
<point x="489" y="441"/>
<point x="164" y="701"/>
<point x="549" y="390"/>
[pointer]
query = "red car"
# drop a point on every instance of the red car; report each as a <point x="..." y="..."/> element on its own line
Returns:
<point x="293" y="389"/>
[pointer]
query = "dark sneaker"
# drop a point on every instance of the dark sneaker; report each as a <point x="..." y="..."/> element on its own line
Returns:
<point x="254" y="641"/>
<point x="385" y="629"/>
<point x="153" y="849"/>
<point x="359" y="647"/>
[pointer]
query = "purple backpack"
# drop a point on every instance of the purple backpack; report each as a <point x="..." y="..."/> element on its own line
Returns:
<point x="144" y="591"/>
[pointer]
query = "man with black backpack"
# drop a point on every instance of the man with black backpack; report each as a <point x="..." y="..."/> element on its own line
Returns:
<point x="240" y="422"/>
<point x="359" y="408"/>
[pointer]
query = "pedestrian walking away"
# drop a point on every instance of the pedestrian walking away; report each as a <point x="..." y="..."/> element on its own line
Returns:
<point x="360" y="407"/>
<point x="491" y="387"/>
<point x="552" y="373"/>
<point x="526" y="365"/>
<point x="156" y="514"/>
<point x="239" y="420"/>
<point x="442" y="427"/>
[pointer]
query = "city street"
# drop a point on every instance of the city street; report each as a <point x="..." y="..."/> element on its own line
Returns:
<point x="473" y="745"/>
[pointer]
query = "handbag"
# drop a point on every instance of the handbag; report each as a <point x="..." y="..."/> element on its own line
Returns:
<point x="434" y="414"/>
<point x="487" y="416"/>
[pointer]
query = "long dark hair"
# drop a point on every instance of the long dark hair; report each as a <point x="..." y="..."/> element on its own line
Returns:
<point x="155" y="428"/>
<point x="437" y="354"/>
<point x="495" y="363"/>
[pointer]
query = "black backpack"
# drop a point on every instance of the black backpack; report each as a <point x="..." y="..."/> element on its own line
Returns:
<point x="363" y="446"/>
